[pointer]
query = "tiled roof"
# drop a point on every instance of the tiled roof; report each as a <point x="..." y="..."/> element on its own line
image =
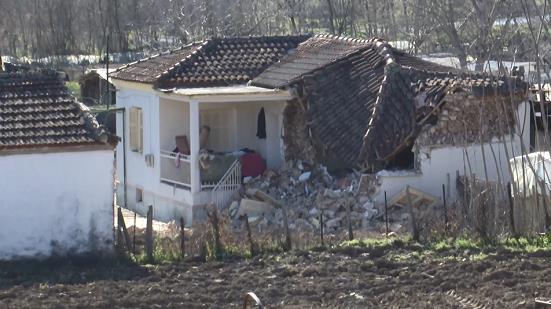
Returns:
<point x="149" y="70"/>
<point x="37" y="110"/>
<point x="322" y="50"/>
<point x="215" y="62"/>
<point x="361" y="93"/>
<point x="341" y="97"/>
<point x="310" y="55"/>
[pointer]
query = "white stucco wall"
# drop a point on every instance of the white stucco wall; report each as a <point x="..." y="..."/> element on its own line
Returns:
<point x="435" y="164"/>
<point x="163" y="119"/>
<point x="168" y="203"/>
<point x="245" y="127"/>
<point x="56" y="204"/>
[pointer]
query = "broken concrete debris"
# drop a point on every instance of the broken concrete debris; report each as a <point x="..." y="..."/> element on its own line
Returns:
<point x="308" y="191"/>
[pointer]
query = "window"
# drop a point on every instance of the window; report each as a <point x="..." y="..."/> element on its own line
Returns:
<point x="136" y="129"/>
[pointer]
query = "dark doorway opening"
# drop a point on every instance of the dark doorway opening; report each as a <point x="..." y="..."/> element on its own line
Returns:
<point x="403" y="160"/>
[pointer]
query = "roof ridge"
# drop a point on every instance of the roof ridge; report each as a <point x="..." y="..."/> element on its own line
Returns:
<point x="98" y="132"/>
<point x="342" y="38"/>
<point x="195" y="52"/>
<point x="168" y="52"/>
<point x="216" y="38"/>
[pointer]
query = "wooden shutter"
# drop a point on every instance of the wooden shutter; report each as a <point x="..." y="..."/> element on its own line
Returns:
<point x="136" y="129"/>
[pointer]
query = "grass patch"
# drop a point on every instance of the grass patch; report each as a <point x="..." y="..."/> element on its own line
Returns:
<point x="74" y="87"/>
<point x="528" y="244"/>
<point x="468" y="244"/>
<point x="382" y="243"/>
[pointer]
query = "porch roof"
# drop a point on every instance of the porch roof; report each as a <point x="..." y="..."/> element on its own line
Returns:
<point x="230" y="93"/>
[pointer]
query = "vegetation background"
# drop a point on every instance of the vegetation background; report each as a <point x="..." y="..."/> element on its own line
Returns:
<point x="471" y="30"/>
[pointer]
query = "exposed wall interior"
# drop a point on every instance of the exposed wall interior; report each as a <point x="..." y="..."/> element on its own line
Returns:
<point x="439" y="164"/>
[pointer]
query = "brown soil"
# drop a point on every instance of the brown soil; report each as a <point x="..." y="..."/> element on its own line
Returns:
<point x="352" y="278"/>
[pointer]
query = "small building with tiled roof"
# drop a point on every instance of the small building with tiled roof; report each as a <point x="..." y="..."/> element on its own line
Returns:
<point x="344" y="103"/>
<point x="57" y="170"/>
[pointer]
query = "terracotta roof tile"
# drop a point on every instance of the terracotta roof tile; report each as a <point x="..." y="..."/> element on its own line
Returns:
<point x="361" y="93"/>
<point x="36" y="109"/>
<point x="215" y="62"/>
<point x="149" y="69"/>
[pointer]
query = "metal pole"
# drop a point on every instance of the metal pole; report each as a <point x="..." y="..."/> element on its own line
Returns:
<point x="108" y="93"/>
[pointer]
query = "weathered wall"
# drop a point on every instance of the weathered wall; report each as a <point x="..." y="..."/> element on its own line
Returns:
<point x="241" y="120"/>
<point x="466" y="119"/>
<point x="175" y="116"/>
<point x="56" y="204"/>
<point x="162" y="120"/>
<point x="435" y="162"/>
<point x="296" y="136"/>
<point x="168" y="203"/>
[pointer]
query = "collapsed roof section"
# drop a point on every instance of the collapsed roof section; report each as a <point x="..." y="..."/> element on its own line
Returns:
<point x="212" y="63"/>
<point x="37" y="110"/>
<point x="362" y="94"/>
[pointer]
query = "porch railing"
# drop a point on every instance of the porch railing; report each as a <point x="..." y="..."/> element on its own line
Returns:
<point x="175" y="169"/>
<point x="228" y="184"/>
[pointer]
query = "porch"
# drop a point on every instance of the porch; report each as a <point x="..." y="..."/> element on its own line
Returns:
<point x="204" y="133"/>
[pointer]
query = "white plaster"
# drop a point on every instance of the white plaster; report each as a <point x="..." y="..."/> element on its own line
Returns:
<point x="56" y="203"/>
<point x="194" y="146"/>
<point x="435" y="164"/>
<point x="229" y="90"/>
<point x="164" y="117"/>
<point x="168" y="202"/>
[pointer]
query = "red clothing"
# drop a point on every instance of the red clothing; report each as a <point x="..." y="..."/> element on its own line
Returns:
<point x="252" y="165"/>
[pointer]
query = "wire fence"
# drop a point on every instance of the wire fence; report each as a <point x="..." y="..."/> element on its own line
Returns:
<point x="484" y="210"/>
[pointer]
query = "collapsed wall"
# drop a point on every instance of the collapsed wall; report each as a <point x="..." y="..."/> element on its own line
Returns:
<point x="465" y="119"/>
<point x="298" y="144"/>
<point x="470" y="135"/>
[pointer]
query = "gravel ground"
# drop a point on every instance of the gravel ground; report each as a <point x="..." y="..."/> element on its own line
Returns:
<point x="395" y="277"/>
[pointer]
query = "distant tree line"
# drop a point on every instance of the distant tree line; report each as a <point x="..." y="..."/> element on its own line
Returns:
<point x="477" y="29"/>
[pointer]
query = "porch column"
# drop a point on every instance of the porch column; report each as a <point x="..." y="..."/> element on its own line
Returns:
<point x="194" y="146"/>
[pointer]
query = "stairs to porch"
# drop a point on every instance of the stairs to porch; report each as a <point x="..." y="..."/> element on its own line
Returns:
<point x="227" y="186"/>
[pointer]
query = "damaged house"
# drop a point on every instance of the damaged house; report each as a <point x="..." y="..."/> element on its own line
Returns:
<point x="362" y="104"/>
<point x="57" y="171"/>
<point x="198" y="119"/>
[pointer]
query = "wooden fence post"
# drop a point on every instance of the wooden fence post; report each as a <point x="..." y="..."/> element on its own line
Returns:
<point x="386" y="214"/>
<point x="123" y="230"/>
<point x="134" y="235"/>
<point x="245" y="217"/>
<point x="149" y="234"/>
<point x="321" y="228"/>
<point x="445" y="208"/>
<point x="288" y="244"/>
<point x="348" y="214"/>
<point x="182" y="237"/>
<point x="414" y="230"/>
<point x="215" y="222"/>
<point x="511" y="210"/>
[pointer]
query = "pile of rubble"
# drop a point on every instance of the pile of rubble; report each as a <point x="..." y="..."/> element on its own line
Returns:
<point x="304" y="192"/>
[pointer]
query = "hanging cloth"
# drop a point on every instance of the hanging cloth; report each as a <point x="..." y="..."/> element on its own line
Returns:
<point x="261" y="124"/>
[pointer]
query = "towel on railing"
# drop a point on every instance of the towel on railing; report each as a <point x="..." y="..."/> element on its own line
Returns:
<point x="177" y="160"/>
